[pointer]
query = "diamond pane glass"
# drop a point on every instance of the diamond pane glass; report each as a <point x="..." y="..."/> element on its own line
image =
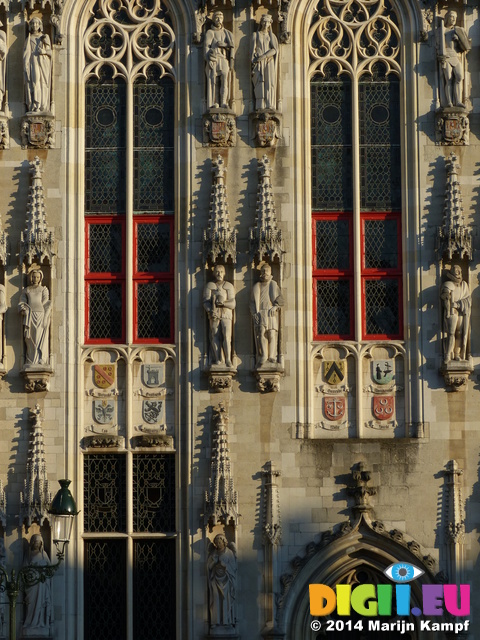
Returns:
<point x="332" y="244"/>
<point x="153" y="247"/>
<point x="104" y="493"/>
<point x="331" y="145"/>
<point x="381" y="307"/>
<point x="154" y="590"/>
<point x="105" y="145"/>
<point x="379" y="102"/>
<point x="104" y="590"/>
<point x="153" y="310"/>
<point x="333" y="307"/>
<point x="154" y="145"/>
<point x="154" y="493"/>
<point x="105" y="311"/>
<point x="105" y="248"/>
<point x="381" y="244"/>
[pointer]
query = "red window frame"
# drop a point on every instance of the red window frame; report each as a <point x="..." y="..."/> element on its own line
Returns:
<point x="103" y="277"/>
<point x="382" y="274"/>
<point x="333" y="274"/>
<point x="140" y="278"/>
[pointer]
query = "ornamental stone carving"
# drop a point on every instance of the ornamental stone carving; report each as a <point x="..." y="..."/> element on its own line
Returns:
<point x="38" y="597"/>
<point x="37" y="65"/>
<point x="219" y="56"/>
<point x="264" y="59"/>
<point x="219" y="303"/>
<point x="35" y="307"/>
<point x="222" y="579"/>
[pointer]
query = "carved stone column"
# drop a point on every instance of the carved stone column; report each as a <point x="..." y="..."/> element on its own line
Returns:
<point x="455" y="522"/>
<point x="272" y="534"/>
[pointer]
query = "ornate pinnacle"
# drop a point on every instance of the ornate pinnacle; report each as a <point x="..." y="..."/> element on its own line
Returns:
<point x="266" y="238"/>
<point x="219" y="241"/>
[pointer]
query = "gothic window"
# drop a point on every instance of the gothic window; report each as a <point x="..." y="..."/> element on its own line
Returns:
<point x="356" y="171"/>
<point x="145" y="558"/>
<point x="129" y="173"/>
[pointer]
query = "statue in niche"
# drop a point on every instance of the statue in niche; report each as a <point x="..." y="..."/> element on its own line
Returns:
<point x="222" y="578"/>
<point x="35" y="306"/>
<point x="219" y="302"/>
<point x="264" y="64"/>
<point x="37" y="65"/>
<point x="38" y="598"/>
<point x="3" y="65"/>
<point x="265" y="303"/>
<point x="457" y="306"/>
<point x="219" y="56"/>
<point x="453" y="44"/>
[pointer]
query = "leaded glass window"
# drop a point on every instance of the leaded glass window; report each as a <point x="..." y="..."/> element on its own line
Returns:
<point x="129" y="172"/>
<point x="355" y="102"/>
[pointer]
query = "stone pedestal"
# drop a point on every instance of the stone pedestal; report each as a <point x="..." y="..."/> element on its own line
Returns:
<point x="456" y="373"/>
<point x="37" y="377"/>
<point x="220" y="377"/>
<point x="268" y="377"/>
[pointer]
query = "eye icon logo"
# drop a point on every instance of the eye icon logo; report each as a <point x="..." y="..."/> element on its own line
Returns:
<point x="403" y="572"/>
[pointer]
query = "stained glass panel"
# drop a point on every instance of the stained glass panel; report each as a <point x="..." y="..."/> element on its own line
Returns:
<point x="105" y="248"/>
<point x="333" y="307"/>
<point x="104" y="493"/>
<point x="105" y="309"/>
<point x="104" y="590"/>
<point x="154" y="493"/>
<point x="332" y="244"/>
<point x="154" y="589"/>
<point x="382" y="307"/>
<point x="153" y="310"/>
<point x="381" y="244"/>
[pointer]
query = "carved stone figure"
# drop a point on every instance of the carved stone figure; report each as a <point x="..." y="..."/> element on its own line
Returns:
<point x="3" y="61"/>
<point x="453" y="43"/>
<point x="265" y="303"/>
<point x="219" y="302"/>
<point x="222" y="577"/>
<point x="35" y="307"/>
<point x="219" y="56"/>
<point x="38" y="598"/>
<point x="264" y="65"/>
<point x="37" y="65"/>
<point x="3" y="309"/>
<point x="457" y="305"/>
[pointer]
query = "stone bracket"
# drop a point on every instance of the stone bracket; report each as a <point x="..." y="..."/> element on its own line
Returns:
<point x="38" y="131"/>
<point x="219" y="128"/>
<point x="220" y="378"/>
<point x="37" y="378"/>
<point x="268" y="378"/>
<point x="457" y="373"/>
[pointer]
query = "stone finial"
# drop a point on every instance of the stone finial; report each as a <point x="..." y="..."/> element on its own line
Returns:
<point x="219" y="240"/>
<point x="266" y="238"/>
<point x="272" y="528"/>
<point x="455" y="514"/>
<point x="454" y="238"/>
<point x="221" y="504"/>
<point x="37" y="243"/>
<point x="36" y="497"/>
<point x="360" y="490"/>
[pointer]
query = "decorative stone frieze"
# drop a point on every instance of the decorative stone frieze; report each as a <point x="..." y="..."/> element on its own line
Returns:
<point x="36" y="497"/>
<point x="221" y="501"/>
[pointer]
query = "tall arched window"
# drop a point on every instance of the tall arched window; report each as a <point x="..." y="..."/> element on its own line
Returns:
<point x="129" y="165"/>
<point x="129" y="527"/>
<point x="356" y="171"/>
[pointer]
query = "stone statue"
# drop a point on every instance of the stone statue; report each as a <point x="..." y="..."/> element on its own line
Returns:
<point x="265" y="303"/>
<point x="453" y="43"/>
<point x="38" y="598"/>
<point x="219" y="302"/>
<point x="3" y="65"/>
<point x="35" y="307"/>
<point x="37" y="65"/>
<point x="264" y="65"/>
<point x="457" y="305"/>
<point x="222" y="577"/>
<point x="219" y="56"/>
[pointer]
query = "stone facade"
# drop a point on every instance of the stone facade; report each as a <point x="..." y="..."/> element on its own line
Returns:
<point x="345" y="454"/>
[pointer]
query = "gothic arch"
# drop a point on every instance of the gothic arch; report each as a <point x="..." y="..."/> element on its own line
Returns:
<point x="363" y="546"/>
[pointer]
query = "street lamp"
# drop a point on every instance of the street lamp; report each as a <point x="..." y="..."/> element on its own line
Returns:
<point x="63" y="510"/>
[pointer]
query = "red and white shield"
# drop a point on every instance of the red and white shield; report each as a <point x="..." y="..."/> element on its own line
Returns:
<point x="383" y="407"/>
<point x="334" y="407"/>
